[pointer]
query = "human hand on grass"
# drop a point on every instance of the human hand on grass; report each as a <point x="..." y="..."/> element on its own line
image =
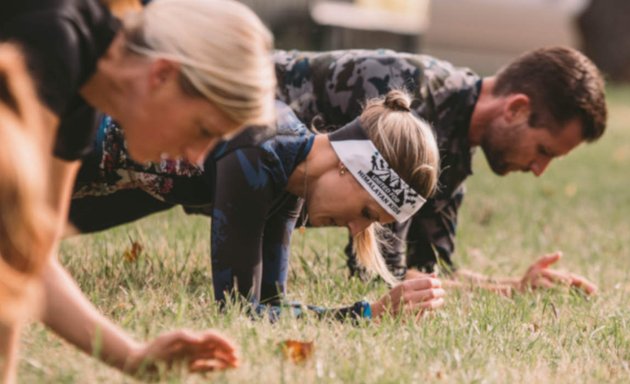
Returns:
<point x="199" y="352"/>
<point x="540" y="275"/>
<point x="411" y="296"/>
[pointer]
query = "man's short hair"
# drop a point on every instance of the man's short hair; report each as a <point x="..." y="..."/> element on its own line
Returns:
<point x="562" y="84"/>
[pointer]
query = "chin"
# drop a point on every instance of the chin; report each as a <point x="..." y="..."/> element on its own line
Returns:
<point x="500" y="171"/>
<point x="498" y="167"/>
<point x="321" y="222"/>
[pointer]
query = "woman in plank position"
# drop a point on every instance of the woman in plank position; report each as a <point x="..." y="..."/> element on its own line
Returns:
<point x="379" y="168"/>
<point x="179" y="76"/>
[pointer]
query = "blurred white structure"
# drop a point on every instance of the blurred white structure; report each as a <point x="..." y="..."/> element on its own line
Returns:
<point x="405" y="17"/>
<point x="485" y="34"/>
<point x="361" y="24"/>
<point x="481" y="34"/>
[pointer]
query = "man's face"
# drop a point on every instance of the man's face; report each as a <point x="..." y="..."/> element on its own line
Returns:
<point x="513" y="145"/>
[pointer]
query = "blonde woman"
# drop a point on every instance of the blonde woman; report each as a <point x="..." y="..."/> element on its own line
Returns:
<point x="378" y="169"/>
<point x="178" y="76"/>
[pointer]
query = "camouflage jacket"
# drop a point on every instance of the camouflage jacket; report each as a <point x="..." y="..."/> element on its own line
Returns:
<point x="334" y="85"/>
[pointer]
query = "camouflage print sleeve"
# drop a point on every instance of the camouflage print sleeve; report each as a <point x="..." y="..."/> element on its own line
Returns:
<point x="336" y="84"/>
<point x="432" y="234"/>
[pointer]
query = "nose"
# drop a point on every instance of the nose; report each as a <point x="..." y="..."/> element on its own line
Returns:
<point x="196" y="153"/>
<point x="539" y="166"/>
<point x="358" y="226"/>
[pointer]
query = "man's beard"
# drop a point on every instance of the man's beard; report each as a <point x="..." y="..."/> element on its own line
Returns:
<point x="498" y="142"/>
<point x="496" y="160"/>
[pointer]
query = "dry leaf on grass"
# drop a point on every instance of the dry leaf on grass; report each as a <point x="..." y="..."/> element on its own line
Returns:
<point x="132" y="253"/>
<point x="297" y="351"/>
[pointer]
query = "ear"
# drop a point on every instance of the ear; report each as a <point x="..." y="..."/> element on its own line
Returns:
<point x="161" y="72"/>
<point x="517" y="108"/>
<point x="342" y="168"/>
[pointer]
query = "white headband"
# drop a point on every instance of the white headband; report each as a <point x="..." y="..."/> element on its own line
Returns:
<point x="359" y="155"/>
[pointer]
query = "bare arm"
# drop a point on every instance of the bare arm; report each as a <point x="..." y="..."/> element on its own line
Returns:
<point x="539" y="275"/>
<point x="68" y="312"/>
<point x="73" y="317"/>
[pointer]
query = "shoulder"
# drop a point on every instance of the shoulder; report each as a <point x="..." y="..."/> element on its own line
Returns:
<point x="443" y="79"/>
<point x="62" y="41"/>
<point x="82" y="24"/>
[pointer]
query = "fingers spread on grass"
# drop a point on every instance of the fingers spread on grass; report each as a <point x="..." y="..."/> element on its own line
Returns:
<point x="218" y="341"/>
<point x="431" y="304"/>
<point x="228" y="358"/>
<point x="584" y="284"/>
<point x="205" y="351"/>
<point x="548" y="260"/>
<point x="420" y="284"/>
<point x="200" y="366"/>
<point x="415" y="274"/>
<point x="416" y="297"/>
<point x="557" y="277"/>
<point x="209" y="345"/>
<point x="542" y="282"/>
<point x="570" y="280"/>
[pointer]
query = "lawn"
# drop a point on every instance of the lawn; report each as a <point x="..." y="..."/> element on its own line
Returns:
<point x="580" y="206"/>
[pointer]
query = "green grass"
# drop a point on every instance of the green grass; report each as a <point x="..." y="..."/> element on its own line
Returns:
<point x="581" y="206"/>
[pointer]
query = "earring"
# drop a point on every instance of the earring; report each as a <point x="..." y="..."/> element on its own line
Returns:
<point x="342" y="171"/>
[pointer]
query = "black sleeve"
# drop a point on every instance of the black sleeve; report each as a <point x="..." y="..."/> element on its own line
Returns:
<point x="277" y="248"/>
<point x="431" y="237"/>
<point x="50" y="46"/>
<point x="62" y="44"/>
<point x="243" y="198"/>
<point x="97" y="213"/>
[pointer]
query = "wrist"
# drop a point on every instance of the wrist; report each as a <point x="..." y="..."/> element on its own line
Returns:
<point x="377" y="308"/>
<point x="362" y="309"/>
<point x="514" y="282"/>
<point x="135" y="357"/>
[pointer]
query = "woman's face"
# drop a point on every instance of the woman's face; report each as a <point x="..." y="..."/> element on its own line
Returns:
<point x="166" y="121"/>
<point x="337" y="199"/>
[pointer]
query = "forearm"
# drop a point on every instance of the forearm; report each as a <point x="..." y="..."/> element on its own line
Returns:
<point x="66" y="310"/>
<point x="69" y="314"/>
<point x="9" y="343"/>
<point x="467" y="280"/>
<point x="503" y="289"/>
<point x="475" y="278"/>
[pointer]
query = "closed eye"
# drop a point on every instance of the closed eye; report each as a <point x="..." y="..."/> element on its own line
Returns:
<point x="205" y="132"/>
<point x="544" y="151"/>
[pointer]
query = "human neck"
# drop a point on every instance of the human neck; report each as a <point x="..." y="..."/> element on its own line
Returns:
<point x="485" y="109"/>
<point x="320" y="159"/>
<point x="108" y="89"/>
<point x="100" y="92"/>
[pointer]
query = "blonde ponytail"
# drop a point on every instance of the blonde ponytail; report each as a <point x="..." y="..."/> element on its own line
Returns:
<point x="367" y="248"/>
<point x="408" y="145"/>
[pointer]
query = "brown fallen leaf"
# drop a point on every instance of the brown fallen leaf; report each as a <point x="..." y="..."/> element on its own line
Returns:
<point x="297" y="351"/>
<point x="132" y="253"/>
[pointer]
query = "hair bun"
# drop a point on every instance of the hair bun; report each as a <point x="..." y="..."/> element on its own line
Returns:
<point x="398" y="101"/>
